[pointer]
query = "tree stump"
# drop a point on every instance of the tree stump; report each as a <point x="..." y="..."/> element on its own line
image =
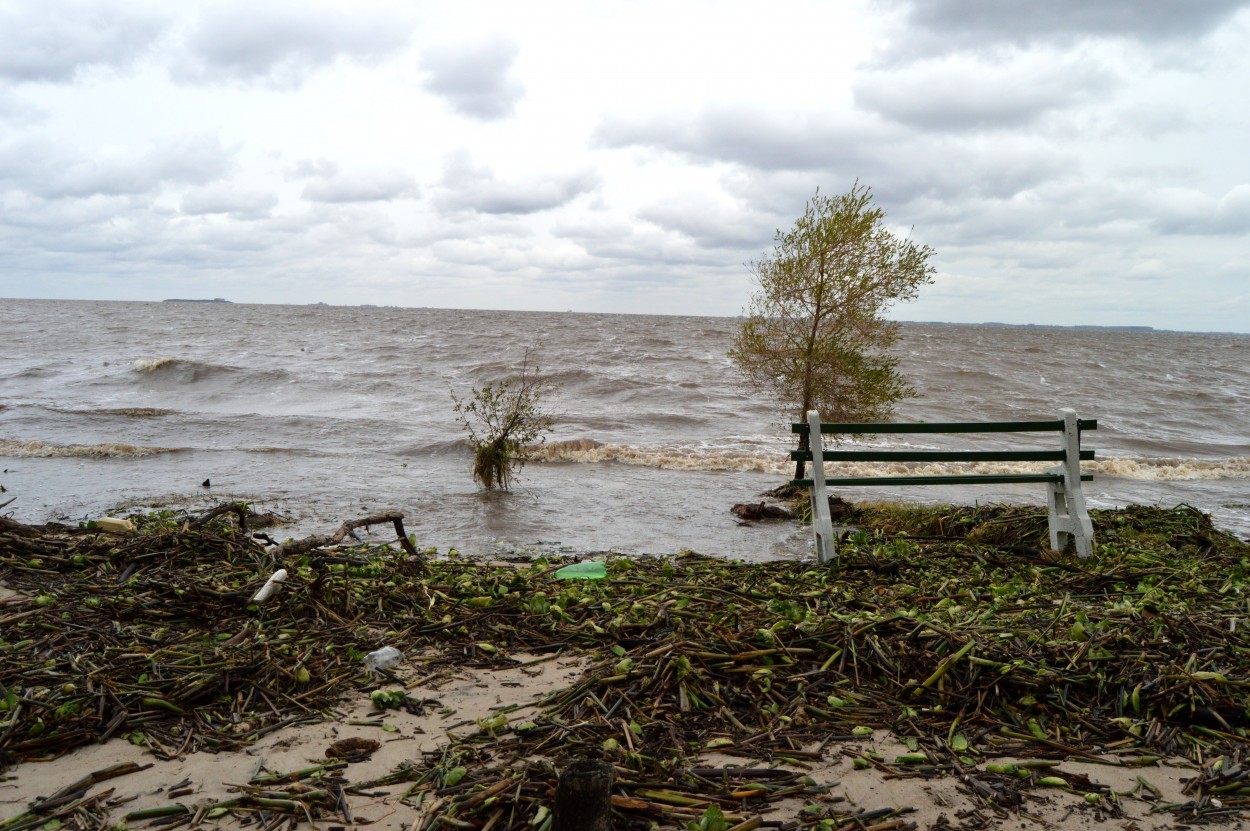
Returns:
<point x="584" y="797"/>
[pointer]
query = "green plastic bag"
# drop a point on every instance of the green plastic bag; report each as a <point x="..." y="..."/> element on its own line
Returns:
<point x="589" y="570"/>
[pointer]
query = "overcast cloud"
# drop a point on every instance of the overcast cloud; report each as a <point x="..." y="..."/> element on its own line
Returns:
<point x="476" y="79"/>
<point x="1071" y="162"/>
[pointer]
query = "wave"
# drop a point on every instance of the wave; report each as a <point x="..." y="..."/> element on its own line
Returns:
<point x="769" y="460"/>
<point x="1236" y="467"/>
<point x="154" y="364"/>
<point x="291" y="451"/>
<point x="129" y="412"/>
<point x="186" y="371"/>
<point x="438" y="448"/>
<point x="43" y="450"/>
<point x="30" y="372"/>
<point x="974" y="374"/>
<point x="1157" y="470"/>
<point x="568" y="377"/>
<point x="669" y="458"/>
<point x="137" y="412"/>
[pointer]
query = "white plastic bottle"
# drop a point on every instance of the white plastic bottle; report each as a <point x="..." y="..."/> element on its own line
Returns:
<point x="383" y="658"/>
<point x="271" y="585"/>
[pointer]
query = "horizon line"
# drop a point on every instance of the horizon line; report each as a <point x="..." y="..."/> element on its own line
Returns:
<point x="989" y="324"/>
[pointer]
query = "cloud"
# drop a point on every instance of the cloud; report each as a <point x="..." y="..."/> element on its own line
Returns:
<point x="34" y="218"/>
<point x="710" y="222"/>
<point x="475" y="79"/>
<point x="976" y="168"/>
<point x="1232" y="211"/>
<point x="87" y="240"/>
<point x="281" y="44"/>
<point x="899" y="164"/>
<point x="238" y="204"/>
<point x="487" y="253"/>
<point x="1192" y="212"/>
<point x="468" y="187"/>
<point x="320" y="167"/>
<point x="645" y="249"/>
<point x="591" y="229"/>
<point x="16" y="111"/>
<point x="367" y="186"/>
<point x="1148" y="271"/>
<point x="46" y="169"/>
<point x="57" y="39"/>
<point x="934" y="27"/>
<point x="767" y="141"/>
<point x="964" y="93"/>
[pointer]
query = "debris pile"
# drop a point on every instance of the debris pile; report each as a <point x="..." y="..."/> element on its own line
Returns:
<point x="953" y="628"/>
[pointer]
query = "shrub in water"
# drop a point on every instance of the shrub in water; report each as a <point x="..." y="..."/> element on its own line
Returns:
<point x="504" y="421"/>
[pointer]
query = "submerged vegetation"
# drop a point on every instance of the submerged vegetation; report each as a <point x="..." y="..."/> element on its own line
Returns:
<point x="504" y="421"/>
<point x="952" y="627"/>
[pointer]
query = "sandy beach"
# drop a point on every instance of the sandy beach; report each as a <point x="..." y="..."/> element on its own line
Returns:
<point x="968" y="682"/>
<point x="455" y="701"/>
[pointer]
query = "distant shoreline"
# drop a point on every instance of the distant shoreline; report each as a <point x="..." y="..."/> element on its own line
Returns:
<point x="1085" y="327"/>
<point x="1127" y="329"/>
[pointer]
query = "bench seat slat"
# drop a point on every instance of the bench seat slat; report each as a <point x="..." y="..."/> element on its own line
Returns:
<point x="947" y="479"/>
<point x="874" y="428"/>
<point x="938" y="455"/>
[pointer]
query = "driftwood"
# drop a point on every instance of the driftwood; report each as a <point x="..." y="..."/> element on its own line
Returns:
<point x="840" y="509"/>
<point x="239" y="509"/>
<point x="78" y="789"/>
<point x="346" y="530"/>
<point x="12" y="526"/>
<point x="752" y="511"/>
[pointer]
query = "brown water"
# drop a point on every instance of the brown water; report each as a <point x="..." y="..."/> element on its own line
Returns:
<point x="325" y="412"/>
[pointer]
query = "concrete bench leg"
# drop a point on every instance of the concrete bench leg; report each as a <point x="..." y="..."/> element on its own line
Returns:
<point x="822" y="523"/>
<point x="1065" y="502"/>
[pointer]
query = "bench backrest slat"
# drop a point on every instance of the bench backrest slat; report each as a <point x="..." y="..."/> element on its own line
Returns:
<point x="942" y="479"/>
<point x="939" y="455"/>
<point x="874" y="428"/>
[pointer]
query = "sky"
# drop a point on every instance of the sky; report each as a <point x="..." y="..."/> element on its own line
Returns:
<point x="1071" y="162"/>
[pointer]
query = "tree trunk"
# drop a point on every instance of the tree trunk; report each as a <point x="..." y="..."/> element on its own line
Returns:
<point x="800" y="467"/>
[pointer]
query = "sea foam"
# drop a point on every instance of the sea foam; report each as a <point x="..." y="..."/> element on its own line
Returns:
<point x="153" y="364"/>
<point x="43" y="450"/>
<point x="769" y="460"/>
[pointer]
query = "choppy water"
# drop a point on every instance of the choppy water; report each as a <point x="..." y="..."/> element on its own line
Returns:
<point x="323" y="413"/>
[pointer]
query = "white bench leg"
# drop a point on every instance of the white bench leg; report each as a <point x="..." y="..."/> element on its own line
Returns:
<point x="1065" y="502"/>
<point x="822" y="523"/>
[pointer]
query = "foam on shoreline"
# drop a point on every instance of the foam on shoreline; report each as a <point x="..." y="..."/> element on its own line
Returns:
<point x="45" y="450"/>
<point x="769" y="460"/>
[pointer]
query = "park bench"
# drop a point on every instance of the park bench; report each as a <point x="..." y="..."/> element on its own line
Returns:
<point x="1069" y="519"/>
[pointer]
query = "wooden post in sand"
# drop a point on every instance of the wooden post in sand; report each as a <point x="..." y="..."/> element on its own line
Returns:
<point x="584" y="797"/>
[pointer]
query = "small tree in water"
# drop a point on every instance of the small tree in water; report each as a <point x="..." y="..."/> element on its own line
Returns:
<point x="815" y="335"/>
<point x="504" y="421"/>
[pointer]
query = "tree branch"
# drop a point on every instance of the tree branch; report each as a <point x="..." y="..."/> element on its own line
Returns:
<point x="322" y="540"/>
